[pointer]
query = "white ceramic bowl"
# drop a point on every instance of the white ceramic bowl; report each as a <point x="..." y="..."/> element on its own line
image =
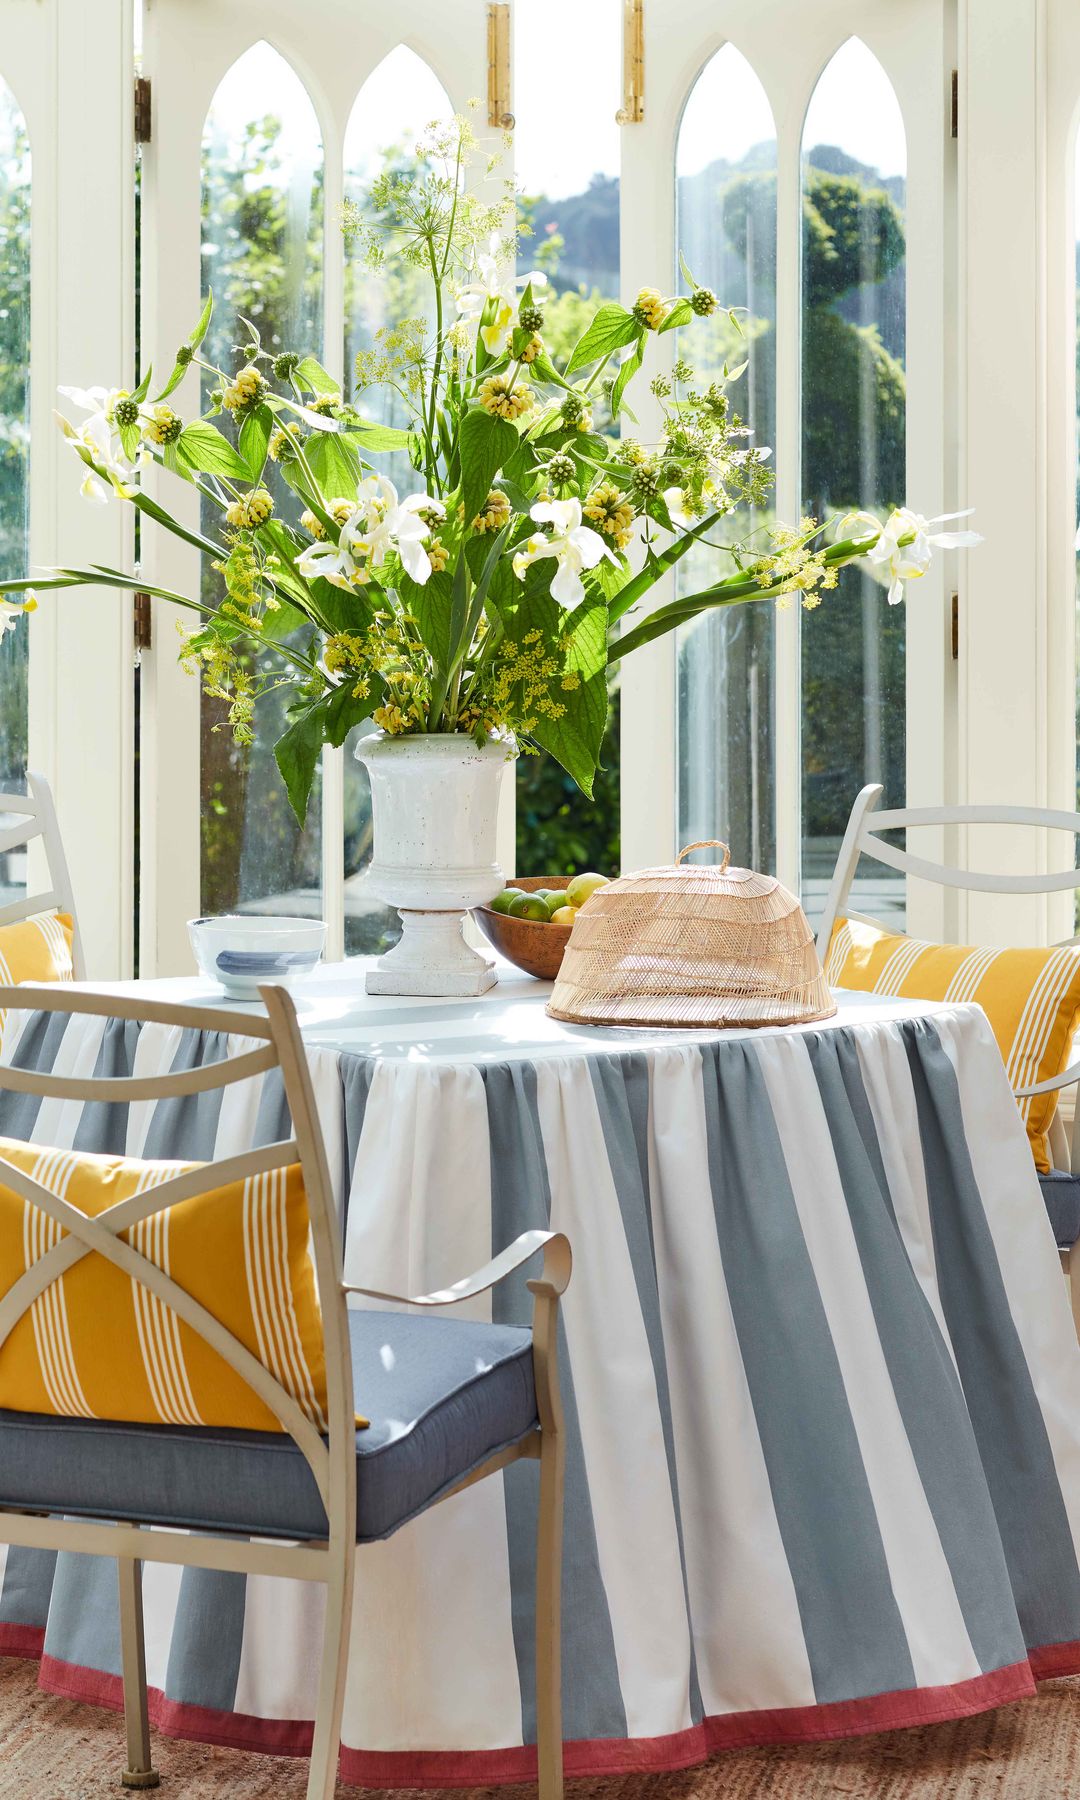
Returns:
<point x="239" y="951"/>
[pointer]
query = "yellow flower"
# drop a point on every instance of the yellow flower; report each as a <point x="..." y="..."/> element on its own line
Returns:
<point x="532" y="348"/>
<point x="283" y="441"/>
<point x="245" y="389"/>
<point x="313" y="526"/>
<point x="504" y="399"/>
<point x="438" y="556"/>
<point x="162" y="426"/>
<point x="650" y="308"/>
<point x="611" y="513"/>
<point x="252" y="510"/>
<point x="496" y="511"/>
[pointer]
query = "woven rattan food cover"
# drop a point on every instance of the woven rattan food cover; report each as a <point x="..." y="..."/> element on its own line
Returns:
<point x="691" y="945"/>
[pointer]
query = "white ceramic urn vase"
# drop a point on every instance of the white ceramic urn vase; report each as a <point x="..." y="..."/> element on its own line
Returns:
<point x="434" y="806"/>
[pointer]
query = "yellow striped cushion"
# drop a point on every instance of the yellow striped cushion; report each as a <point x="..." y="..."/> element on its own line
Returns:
<point x="97" y="1344"/>
<point x="1031" y="998"/>
<point x="36" y="949"/>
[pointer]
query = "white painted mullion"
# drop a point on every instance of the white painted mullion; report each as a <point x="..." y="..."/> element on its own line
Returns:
<point x="82" y="278"/>
<point x="333" y="761"/>
<point x="787" y="657"/>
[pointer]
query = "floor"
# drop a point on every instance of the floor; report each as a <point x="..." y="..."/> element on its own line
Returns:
<point x="58" y="1750"/>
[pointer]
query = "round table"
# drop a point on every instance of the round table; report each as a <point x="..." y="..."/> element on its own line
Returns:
<point x="820" y="1371"/>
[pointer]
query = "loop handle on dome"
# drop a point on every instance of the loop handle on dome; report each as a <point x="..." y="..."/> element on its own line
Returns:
<point x="707" y="844"/>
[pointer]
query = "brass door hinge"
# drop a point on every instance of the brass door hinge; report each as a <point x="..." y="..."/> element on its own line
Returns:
<point x="142" y="109"/>
<point x="142" y="623"/>
<point x="632" y="110"/>
<point x="498" y="72"/>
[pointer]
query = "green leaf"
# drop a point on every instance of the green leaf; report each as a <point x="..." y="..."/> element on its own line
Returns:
<point x="144" y="386"/>
<point x="183" y="363"/>
<point x="574" y="740"/>
<point x="314" y="376"/>
<point x="612" y="327"/>
<point x="371" y="436"/>
<point x="334" y="464"/>
<point x="681" y="313"/>
<point x="627" y="371"/>
<point x="297" y="754"/>
<point x="484" y="444"/>
<point x="202" y="447"/>
<point x="344" y="711"/>
<point x="129" y="440"/>
<point x="686" y="275"/>
<point x="254" y="435"/>
<point x="430" y="606"/>
<point x="637" y="588"/>
<point x="281" y="621"/>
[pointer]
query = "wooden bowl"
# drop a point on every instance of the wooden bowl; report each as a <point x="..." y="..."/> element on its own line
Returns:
<point x="528" y="943"/>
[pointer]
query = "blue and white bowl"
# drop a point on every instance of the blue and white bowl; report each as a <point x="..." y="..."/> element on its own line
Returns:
<point x="240" y="951"/>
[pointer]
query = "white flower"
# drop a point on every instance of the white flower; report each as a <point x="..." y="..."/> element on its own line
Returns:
<point x="95" y="439"/>
<point x="377" y="525"/>
<point x="10" y="614"/>
<point x="474" y="296"/>
<point x="574" y="545"/>
<point x="905" y="561"/>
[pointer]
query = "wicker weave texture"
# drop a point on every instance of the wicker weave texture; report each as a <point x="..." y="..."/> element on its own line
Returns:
<point x="691" y="945"/>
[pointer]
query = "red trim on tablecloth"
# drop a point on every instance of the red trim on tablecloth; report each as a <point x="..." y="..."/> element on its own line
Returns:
<point x="22" y="1640"/>
<point x="599" y="1756"/>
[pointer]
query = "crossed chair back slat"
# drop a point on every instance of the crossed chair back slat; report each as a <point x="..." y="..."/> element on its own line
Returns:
<point x="102" y="1235"/>
<point x="34" y="816"/>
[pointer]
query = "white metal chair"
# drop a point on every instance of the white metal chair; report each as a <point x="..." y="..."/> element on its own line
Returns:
<point x="325" y="1553"/>
<point x="34" y="816"/>
<point x="863" y="837"/>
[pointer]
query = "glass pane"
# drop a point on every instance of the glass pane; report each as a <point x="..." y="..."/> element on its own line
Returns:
<point x="854" y="163"/>
<point x="14" y="450"/>
<point x="567" y="169"/>
<point x="262" y="248"/>
<point x="726" y="231"/>
<point x="1076" y="203"/>
<point x="392" y="109"/>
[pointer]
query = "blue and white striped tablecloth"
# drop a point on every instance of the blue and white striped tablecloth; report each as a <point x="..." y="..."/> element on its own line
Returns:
<point x="822" y="1385"/>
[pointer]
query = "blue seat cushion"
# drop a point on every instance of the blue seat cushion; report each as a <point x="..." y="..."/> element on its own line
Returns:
<point x="1061" y="1192"/>
<point x="442" y="1396"/>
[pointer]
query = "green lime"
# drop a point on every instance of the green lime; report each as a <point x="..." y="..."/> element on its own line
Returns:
<point x="504" y="900"/>
<point x="529" y="906"/>
<point x="555" y="899"/>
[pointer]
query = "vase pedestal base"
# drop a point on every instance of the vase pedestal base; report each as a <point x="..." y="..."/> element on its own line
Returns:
<point x="432" y="958"/>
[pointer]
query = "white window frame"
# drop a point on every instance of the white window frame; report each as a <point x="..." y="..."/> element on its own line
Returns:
<point x="788" y="47"/>
<point x="186" y="53"/>
<point x="69" y="64"/>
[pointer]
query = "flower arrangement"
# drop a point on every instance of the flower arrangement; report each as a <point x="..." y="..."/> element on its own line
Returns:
<point x="495" y="596"/>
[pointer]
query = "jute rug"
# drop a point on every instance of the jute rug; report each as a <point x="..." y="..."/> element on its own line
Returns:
<point x="59" y="1750"/>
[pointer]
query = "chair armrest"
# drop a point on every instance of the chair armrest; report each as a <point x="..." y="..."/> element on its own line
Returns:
<point x="556" y="1272"/>
<point x="1072" y="1073"/>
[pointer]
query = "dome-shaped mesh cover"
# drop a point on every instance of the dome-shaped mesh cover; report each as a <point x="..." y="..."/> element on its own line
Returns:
<point x="693" y="946"/>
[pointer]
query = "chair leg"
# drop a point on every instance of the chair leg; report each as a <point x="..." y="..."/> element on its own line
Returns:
<point x="549" y="1738"/>
<point x="322" y="1776"/>
<point x="140" y="1771"/>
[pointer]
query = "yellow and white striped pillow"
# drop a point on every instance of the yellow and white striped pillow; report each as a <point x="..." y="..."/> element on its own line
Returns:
<point x="97" y="1344"/>
<point x="1031" y="998"/>
<point x="37" y="949"/>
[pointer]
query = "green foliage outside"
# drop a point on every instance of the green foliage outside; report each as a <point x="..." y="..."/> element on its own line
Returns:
<point x="14" y="427"/>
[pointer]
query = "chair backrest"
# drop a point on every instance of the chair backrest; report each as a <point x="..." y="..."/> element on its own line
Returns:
<point x="331" y="1459"/>
<point x="24" y="817"/>
<point x="863" y="837"/>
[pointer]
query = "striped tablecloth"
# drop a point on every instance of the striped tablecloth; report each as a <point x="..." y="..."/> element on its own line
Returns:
<point x="821" y="1376"/>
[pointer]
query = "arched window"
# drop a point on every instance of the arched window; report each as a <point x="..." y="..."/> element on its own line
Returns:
<point x="390" y="115"/>
<point x="854" y="167"/>
<point x="262" y="253"/>
<point x="726" y="234"/>
<point x="14" y="438"/>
